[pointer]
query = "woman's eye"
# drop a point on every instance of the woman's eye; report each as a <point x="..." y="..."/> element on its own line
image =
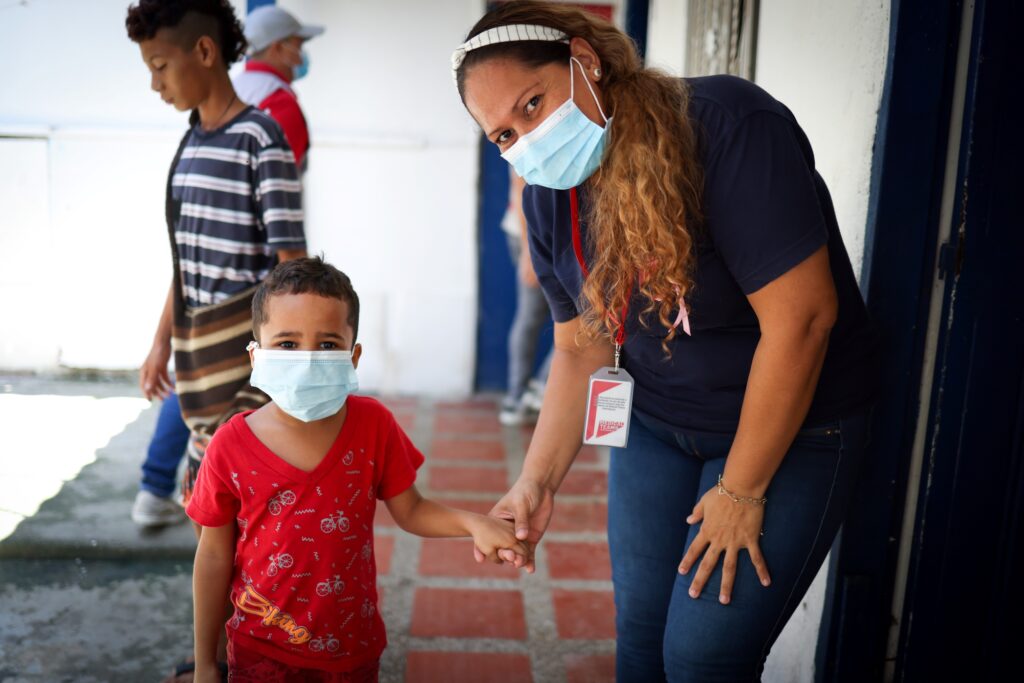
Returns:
<point x="503" y="137"/>
<point x="531" y="106"/>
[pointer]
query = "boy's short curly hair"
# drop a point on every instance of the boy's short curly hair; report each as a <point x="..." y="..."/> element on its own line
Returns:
<point x="191" y="20"/>
<point x="310" y="275"/>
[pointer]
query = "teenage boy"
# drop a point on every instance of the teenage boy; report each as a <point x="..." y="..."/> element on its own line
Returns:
<point x="233" y="212"/>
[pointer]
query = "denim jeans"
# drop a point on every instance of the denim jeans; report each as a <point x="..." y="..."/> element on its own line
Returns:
<point x="653" y="484"/>
<point x="166" y="448"/>
<point x="532" y="313"/>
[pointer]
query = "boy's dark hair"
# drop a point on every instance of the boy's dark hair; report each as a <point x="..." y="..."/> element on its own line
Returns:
<point x="190" y="19"/>
<point x="309" y="275"/>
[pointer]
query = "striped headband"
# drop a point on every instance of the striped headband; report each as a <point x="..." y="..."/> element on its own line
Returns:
<point x="510" y="33"/>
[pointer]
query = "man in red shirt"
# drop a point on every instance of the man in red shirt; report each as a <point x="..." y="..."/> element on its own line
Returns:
<point x="276" y="60"/>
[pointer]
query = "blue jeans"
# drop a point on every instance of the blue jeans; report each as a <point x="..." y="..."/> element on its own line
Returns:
<point x="532" y="314"/>
<point x="166" y="448"/>
<point x="653" y="484"/>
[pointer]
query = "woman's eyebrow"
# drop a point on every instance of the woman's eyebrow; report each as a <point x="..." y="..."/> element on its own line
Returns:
<point x="515" y="106"/>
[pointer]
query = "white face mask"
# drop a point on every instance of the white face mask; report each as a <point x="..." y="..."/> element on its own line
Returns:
<point x="308" y="385"/>
<point x="566" y="148"/>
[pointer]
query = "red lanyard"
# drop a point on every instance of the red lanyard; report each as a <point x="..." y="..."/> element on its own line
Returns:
<point x="577" y="246"/>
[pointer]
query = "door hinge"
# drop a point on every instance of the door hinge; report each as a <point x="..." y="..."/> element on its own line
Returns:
<point x="951" y="258"/>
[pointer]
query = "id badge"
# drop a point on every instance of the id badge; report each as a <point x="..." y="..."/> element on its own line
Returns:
<point x="609" y="402"/>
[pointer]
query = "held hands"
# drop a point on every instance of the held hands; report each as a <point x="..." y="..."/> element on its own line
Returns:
<point x="529" y="505"/>
<point x="494" y="538"/>
<point x="154" y="379"/>
<point x="727" y="528"/>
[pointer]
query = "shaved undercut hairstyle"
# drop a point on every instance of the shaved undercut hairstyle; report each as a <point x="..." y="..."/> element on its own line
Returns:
<point x="189" y="20"/>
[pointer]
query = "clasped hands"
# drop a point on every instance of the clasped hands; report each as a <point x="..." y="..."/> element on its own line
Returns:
<point x="726" y="528"/>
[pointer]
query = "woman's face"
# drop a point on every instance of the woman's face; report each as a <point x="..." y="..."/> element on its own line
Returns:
<point x="509" y="99"/>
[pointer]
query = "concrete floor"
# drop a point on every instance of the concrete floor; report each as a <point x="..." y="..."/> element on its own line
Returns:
<point x="87" y="596"/>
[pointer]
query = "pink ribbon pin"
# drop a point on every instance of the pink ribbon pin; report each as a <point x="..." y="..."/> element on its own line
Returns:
<point x="682" y="317"/>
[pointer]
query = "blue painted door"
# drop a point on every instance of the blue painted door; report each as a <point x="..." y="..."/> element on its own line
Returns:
<point x="497" y="302"/>
<point x="961" y="617"/>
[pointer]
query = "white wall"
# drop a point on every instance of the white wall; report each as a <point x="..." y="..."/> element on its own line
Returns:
<point x="391" y="191"/>
<point x="666" y="31"/>
<point x="825" y="60"/>
<point x="84" y="149"/>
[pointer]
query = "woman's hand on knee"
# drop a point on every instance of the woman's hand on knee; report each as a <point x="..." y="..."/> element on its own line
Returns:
<point x="528" y="504"/>
<point x="726" y="528"/>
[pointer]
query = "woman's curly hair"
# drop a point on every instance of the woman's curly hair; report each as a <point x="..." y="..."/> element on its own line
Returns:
<point x="215" y="18"/>
<point x="645" y="197"/>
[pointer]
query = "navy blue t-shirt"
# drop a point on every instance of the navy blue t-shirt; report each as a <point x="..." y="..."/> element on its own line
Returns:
<point x="765" y="211"/>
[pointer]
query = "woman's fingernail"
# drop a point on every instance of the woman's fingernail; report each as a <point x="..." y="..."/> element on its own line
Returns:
<point x="693" y="593"/>
<point x="724" y="599"/>
<point x="766" y="582"/>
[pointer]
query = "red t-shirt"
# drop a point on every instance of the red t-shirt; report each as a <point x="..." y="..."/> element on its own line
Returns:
<point x="305" y="582"/>
<point x="283" y="107"/>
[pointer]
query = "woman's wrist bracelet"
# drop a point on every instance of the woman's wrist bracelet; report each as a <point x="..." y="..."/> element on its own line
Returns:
<point x="722" y="491"/>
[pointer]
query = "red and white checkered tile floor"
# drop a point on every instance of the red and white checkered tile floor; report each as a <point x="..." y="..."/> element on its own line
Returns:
<point x="451" y="620"/>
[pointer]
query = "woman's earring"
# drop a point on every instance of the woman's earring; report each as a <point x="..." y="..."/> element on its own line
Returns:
<point x="597" y="73"/>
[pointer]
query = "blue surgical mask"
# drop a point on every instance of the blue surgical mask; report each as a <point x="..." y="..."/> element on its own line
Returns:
<point x="302" y="68"/>
<point x="566" y="148"/>
<point x="308" y="385"/>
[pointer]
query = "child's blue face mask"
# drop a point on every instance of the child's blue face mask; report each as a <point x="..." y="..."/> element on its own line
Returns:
<point x="308" y="385"/>
<point x="565" y="149"/>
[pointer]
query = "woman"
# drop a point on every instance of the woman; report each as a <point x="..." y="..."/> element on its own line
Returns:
<point x="683" y="224"/>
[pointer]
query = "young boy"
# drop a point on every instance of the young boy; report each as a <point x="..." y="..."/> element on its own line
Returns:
<point x="287" y="493"/>
<point x="234" y="210"/>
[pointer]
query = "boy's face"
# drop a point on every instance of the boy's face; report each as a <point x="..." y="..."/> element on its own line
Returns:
<point x="178" y="75"/>
<point x="308" y="322"/>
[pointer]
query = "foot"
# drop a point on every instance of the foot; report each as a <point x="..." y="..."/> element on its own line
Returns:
<point x="514" y="413"/>
<point x="150" y="510"/>
<point x="533" y="397"/>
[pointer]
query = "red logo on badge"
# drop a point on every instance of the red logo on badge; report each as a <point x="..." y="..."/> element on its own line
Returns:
<point x="608" y="426"/>
<point x="599" y="388"/>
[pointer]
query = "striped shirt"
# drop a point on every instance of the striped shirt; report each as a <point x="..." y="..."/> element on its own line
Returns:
<point x="241" y="201"/>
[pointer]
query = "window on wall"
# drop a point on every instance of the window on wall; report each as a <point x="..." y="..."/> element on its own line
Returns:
<point x="721" y="37"/>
